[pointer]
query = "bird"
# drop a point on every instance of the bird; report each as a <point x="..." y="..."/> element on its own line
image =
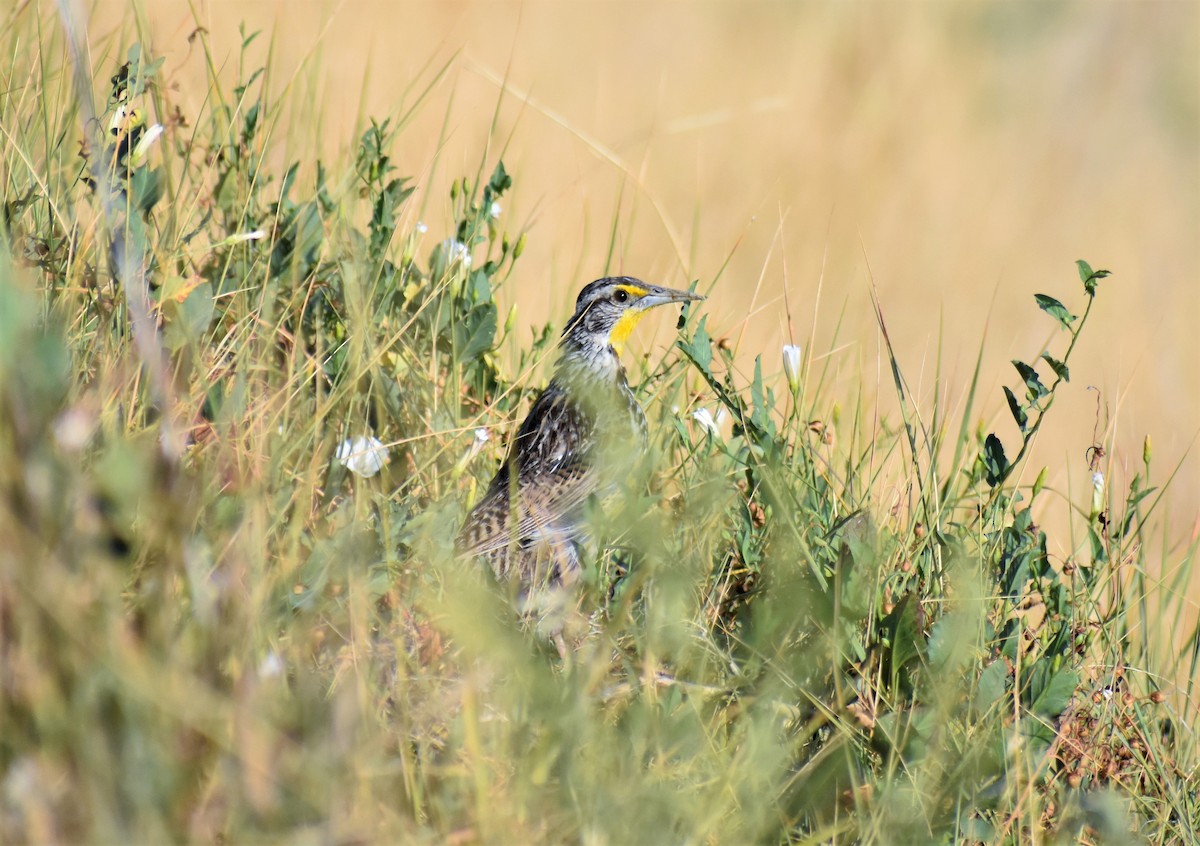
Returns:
<point x="584" y="434"/>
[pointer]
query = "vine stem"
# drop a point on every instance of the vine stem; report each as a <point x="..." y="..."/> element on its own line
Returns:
<point x="1028" y="436"/>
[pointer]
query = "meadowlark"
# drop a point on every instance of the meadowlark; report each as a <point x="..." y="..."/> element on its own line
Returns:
<point x="584" y="434"/>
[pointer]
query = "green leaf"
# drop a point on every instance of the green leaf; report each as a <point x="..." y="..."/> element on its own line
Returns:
<point x="123" y="473"/>
<point x="289" y="178"/>
<point x="901" y="632"/>
<point x="1034" y="389"/>
<point x="994" y="460"/>
<point x="1137" y="496"/>
<point x="993" y="682"/>
<point x="500" y="181"/>
<point x="1060" y="369"/>
<point x="240" y="90"/>
<point x="1099" y="550"/>
<point x="475" y="334"/>
<point x="1104" y="812"/>
<point x="1015" y="574"/>
<point x="1040" y="482"/>
<point x="298" y="240"/>
<point x="1018" y="411"/>
<point x="1050" y="692"/>
<point x="145" y="188"/>
<point x="226" y="191"/>
<point x="383" y="215"/>
<point x="247" y="40"/>
<point x="479" y="287"/>
<point x="906" y="732"/>
<point x="951" y="643"/>
<point x="698" y="348"/>
<point x="187" y="318"/>
<point x="1090" y="277"/>
<point x="760" y="416"/>
<point x="1055" y="309"/>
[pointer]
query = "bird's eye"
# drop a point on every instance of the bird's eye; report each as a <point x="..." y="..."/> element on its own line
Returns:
<point x="621" y="296"/>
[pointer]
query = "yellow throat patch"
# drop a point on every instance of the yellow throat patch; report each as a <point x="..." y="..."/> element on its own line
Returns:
<point x="625" y="324"/>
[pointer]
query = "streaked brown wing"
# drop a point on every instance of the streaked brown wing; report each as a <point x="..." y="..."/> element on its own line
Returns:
<point x="551" y="457"/>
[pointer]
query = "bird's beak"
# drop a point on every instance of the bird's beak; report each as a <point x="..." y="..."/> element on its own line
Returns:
<point x="661" y="296"/>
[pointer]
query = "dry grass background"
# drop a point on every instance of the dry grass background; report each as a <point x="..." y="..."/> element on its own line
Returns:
<point x="958" y="157"/>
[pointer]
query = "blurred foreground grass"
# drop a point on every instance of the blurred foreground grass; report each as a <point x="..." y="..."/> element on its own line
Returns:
<point x="213" y="630"/>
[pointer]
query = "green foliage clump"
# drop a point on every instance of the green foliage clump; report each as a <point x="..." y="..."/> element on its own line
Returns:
<point x="211" y="628"/>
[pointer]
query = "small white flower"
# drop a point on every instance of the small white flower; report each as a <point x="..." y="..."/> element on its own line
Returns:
<point x="118" y="117"/>
<point x="73" y="429"/>
<point x="144" y="143"/>
<point x="271" y="666"/>
<point x="1107" y="693"/>
<point x="362" y="456"/>
<point x="495" y="210"/>
<point x="23" y="783"/>
<point x="721" y="417"/>
<point x="421" y="228"/>
<point x="456" y="251"/>
<point x="791" y="365"/>
<point x="1097" y="492"/>
<point x="704" y="417"/>
<point x="478" y="442"/>
<point x="482" y="436"/>
<point x="241" y="237"/>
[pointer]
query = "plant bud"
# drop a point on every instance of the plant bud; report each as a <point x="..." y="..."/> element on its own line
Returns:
<point x="1097" y="492"/>
<point x="791" y="366"/>
<point x="144" y="143"/>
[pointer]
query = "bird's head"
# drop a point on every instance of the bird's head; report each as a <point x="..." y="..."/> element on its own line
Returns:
<point x="608" y="309"/>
